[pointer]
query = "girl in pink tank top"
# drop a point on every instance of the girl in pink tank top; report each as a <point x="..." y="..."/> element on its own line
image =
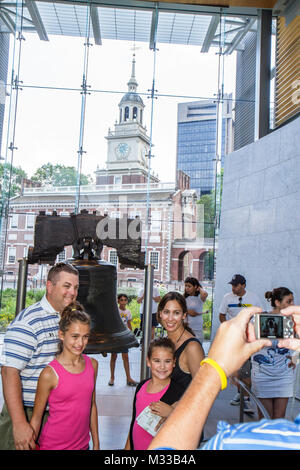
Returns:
<point x="154" y="397"/>
<point x="68" y="385"/>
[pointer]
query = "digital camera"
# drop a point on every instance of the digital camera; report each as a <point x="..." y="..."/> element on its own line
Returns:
<point x="268" y="325"/>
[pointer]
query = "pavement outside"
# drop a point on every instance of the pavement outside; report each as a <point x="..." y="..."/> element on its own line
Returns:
<point x="115" y="403"/>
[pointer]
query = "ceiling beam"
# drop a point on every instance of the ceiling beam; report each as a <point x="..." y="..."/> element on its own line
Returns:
<point x="153" y="31"/>
<point x="9" y="23"/>
<point x="36" y="19"/>
<point x="248" y="25"/>
<point x="96" y="25"/>
<point x="214" y="23"/>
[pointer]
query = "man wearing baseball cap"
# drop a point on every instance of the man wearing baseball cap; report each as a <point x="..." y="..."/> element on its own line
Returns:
<point x="230" y="306"/>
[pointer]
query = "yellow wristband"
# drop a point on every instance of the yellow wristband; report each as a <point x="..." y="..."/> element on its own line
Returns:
<point x="219" y="369"/>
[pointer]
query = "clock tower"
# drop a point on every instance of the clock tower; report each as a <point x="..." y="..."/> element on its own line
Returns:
<point x="128" y="145"/>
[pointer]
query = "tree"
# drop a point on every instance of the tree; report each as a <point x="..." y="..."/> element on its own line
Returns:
<point x="208" y="201"/>
<point x="10" y="182"/>
<point x="59" y="175"/>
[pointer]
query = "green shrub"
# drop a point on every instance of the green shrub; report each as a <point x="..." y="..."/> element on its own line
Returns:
<point x="207" y="315"/>
<point x="8" y="305"/>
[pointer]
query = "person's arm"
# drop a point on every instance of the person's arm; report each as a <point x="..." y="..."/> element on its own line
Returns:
<point x="161" y="409"/>
<point x="234" y="343"/>
<point x="223" y="309"/>
<point x="193" y="312"/>
<point x="127" y="445"/>
<point x="94" y="412"/>
<point x="140" y="298"/>
<point x="222" y="317"/>
<point x="129" y="325"/>
<point x="203" y="294"/>
<point x="12" y="392"/>
<point x="156" y="295"/>
<point x="47" y="381"/>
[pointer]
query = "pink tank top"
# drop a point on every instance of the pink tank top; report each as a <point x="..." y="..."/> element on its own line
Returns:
<point x="141" y="438"/>
<point x="68" y="424"/>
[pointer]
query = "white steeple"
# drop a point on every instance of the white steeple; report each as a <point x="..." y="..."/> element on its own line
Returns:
<point x="131" y="105"/>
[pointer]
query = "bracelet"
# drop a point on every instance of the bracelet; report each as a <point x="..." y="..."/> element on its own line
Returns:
<point x="219" y="369"/>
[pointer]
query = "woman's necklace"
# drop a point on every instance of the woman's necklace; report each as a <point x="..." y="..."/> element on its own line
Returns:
<point x="180" y="335"/>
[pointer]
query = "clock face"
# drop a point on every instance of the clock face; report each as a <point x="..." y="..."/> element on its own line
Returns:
<point x="122" y="151"/>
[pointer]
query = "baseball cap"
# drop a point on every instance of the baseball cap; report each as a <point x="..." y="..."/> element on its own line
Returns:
<point x="237" y="279"/>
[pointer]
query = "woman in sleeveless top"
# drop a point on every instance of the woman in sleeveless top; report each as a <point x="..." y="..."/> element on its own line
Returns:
<point x="171" y="314"/>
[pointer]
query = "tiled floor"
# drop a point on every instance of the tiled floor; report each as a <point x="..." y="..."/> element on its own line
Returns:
<point x="115" y="403"/>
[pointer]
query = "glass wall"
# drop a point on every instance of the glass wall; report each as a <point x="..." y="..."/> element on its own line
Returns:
<point x="126" y="112"/>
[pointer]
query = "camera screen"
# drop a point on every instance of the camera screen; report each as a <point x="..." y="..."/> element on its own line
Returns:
<point x="271" y="326"/>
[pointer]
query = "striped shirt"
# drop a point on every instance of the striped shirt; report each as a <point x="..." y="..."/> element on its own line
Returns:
<point x="276" y="434"/>
<point x="30" y="343"/>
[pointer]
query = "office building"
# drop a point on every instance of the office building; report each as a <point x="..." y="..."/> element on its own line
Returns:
<point x="196" y="141"/>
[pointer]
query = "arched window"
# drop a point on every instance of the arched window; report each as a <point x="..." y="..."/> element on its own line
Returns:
<point x="134" y="113"/>
<point x="141" y="118"/>
<point x="126" y="116"/>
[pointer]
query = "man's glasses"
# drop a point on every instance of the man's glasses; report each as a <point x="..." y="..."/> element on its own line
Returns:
<point x="240" y="301"/>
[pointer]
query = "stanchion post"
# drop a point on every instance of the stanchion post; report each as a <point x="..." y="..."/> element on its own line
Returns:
<point x="22" y="284"/>
<point x="147" y="320"/>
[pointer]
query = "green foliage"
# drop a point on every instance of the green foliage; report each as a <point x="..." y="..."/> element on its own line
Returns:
<point x="8" y="306"/>
<point x="207" y="316"/>
<point x="59" y="175"/>
<point x="10" y="181"/>
<point x="208" y="200"/>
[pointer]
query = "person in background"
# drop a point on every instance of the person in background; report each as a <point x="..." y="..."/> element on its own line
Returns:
<point x="126" y="316"/>
<point x="234" y="343"/>
<point x="67" y="384"/>
<point x="272" y="373"/>
<point x="195" y="297"/>
<point x="155" y="300"/>
<point x="30" y="343"/>
<point x="230" y="306"/>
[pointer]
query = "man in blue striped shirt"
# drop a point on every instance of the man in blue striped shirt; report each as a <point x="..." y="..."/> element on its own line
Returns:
<point x="234" y="343"/>
<point x="30" y="343"/>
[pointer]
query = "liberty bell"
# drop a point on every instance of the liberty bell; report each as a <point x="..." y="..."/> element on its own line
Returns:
<point x="87" y="233"/>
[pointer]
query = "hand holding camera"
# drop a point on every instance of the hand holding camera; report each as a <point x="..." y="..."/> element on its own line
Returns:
<point x="292" y="312"/>
<point x="236" y="340"/>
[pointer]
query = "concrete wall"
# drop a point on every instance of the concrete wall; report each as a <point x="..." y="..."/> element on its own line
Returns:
<point x="260" y="218"/>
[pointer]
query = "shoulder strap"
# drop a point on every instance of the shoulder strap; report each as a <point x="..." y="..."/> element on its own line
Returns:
<point x="183" y="345"/>
<point x="88" y="362"/>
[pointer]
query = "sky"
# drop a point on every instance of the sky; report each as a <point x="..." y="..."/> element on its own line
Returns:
<point x="49" y="104"/>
